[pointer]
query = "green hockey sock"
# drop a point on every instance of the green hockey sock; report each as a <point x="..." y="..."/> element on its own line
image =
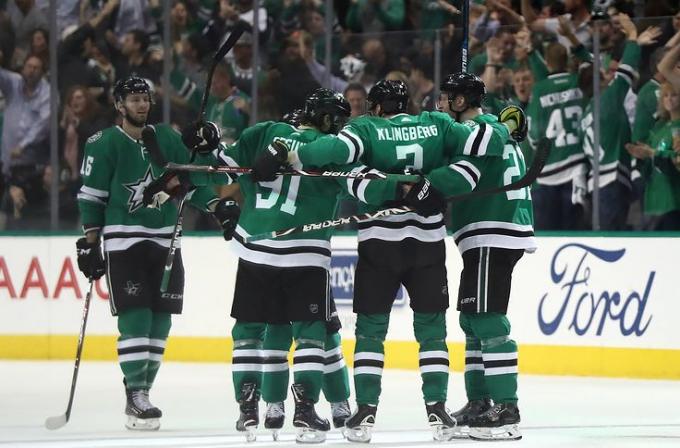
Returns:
<point x="247" y="355"/>
<point x="433" y="355"/>
<point x="134" y="326"/>
<point x="475" y="384"/>
<point x="335" y="376"/>
<point x="277" y="341"/>
<point x="160" y="328"/>
<point x="369" y="356"/>
<point x="499" y="355"/>
<point x="308" y="357"/>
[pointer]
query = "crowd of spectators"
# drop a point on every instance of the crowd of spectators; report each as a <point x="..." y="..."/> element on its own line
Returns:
<point x="515" y="45"/>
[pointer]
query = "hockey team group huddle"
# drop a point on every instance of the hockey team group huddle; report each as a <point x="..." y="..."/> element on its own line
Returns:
<point x="282" y="178"/>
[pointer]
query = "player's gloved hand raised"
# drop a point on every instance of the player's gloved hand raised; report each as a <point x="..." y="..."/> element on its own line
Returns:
<point x="201" y="136"/>
<point x="270" y="161"/>
<point x="90" y="260"/>
<point x="169" y="185"/>
<point x="227" y="213"/>
<point x="424" y="198"/>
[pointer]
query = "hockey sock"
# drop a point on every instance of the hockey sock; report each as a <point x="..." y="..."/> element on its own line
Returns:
<point x="335" y="376"/>
<point x="309" y="356"/>
<point x="433" y="355"/>
<point x="369" y="356"/>
<point x="246" y="362"/>
<point x="277" y="341"/>
<point x="134" y="326"/>
<point x="475" y="384"/>
<point x="499" y="354"/>
<point x="160" y="328"/>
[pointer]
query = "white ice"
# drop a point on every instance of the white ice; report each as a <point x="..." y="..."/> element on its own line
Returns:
<point x="199" y="410"/>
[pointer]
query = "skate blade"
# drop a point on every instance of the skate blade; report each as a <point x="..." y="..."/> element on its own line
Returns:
<point x="275" y="434"/>
<point x="142" y="424"/>
<point x="360" y="434"/>
<point x="441" y="433"/>
<point x="308" y="435"/>
<point x="502" y="433"/>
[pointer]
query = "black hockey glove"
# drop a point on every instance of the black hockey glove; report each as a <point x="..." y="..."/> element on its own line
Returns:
<point x="201" y="136"/>
<point x="270" y="161"/>
<point x="90" y="260"/>
<point x="169" y="185"/>
<point x="227" y="213"/>
<point x="425" y="198"/>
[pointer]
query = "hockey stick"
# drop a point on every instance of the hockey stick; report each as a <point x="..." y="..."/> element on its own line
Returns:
<point x="292" y="172"/>
<point x="466" y="32"/>
<point x="526" y="181"/>
<point x="58" y="421"/>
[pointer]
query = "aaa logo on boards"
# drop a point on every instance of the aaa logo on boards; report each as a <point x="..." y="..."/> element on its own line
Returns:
<point x="343" y="265"/>
<point x="586" y="298"/>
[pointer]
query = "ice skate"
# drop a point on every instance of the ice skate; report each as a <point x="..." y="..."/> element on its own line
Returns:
<point x="442" y="424"/>
<point x="340" y="412"/>
<point x="310" y="427"/>
<point x="500" y="422"/>
<point x="142" y="415"/>
<point x="248" y="407"/>
<point x="273" y="419"/>
<point x="359" y="425"/>
<point x="462" y="416"/>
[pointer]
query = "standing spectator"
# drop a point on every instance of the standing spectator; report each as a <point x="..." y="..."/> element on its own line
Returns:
<point x="23" y="145"/>
<point x="25" y="17"/>
<point x="614" y="161"/>
<point x="242" y="63"/>
<point x="421" y="84"/>
<point x="522" y="84"/>
<point x="295" y="81"/>
<point x="505" y="41"/>
<point x="668" y="66"/>
<point x="577" y="14"/>
<point x="554" y="111"/>
<point x="133" y="15"/>
<point x="378" y="62"/>
<point x="355" y="94"/>
<point x="40" y="45"/>
<point x="374" y="16"/>
<point x="133" y="60"/>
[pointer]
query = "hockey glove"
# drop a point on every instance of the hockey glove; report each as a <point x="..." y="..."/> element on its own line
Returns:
<point x="227" y="213"/>
<point x="270" y="161"/>
<point x="169" y="185"/>
<point x="201" y="136"/>
<point x="425" y="198"/>
<point x="90" y="260"/>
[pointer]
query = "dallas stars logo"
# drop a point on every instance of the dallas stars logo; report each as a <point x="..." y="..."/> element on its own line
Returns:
<point x="136" y="190"/>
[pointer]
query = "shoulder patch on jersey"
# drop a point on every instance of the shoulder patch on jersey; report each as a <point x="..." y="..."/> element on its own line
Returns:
<point x="94" y="137"/>
<point x="470" y="123"/>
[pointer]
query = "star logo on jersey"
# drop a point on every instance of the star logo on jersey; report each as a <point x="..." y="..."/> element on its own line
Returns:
<point x="136" y="190"/>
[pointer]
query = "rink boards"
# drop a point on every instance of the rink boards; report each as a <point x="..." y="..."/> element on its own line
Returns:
<point x="602" y="306"/>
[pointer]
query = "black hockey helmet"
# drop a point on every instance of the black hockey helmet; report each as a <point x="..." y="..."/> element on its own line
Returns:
<point x="514" y="117"/>
<point x="293" y="118"/>
<point x="470" y="86"/>
<point x="391" y="95"/>
<point x="131" y="84"/>
<point x="324" y="102"/>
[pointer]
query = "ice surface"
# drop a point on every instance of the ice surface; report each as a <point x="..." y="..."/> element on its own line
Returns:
<point x="199" y="410"/>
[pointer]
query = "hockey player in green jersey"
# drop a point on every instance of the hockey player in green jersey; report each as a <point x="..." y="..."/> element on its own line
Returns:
<point x="492" y="233"/>
<point x="614" y="160"/>
<point x="283" y="281"/>
<point x="399" y="250"/>
<point x="116" y="170"/>
<point x="554" y="111"/>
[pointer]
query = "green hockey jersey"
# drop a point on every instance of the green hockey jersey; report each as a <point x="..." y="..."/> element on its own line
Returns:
<point x="501" y="220"/>
<point x="554" y="112"/>
<point x="615" y="132"/>
<point x="645" y="110"/>
<point x="289" y="201"/>
<point x="392" y="145"/>
<point x="116" y="169"/>
<point x="662" y="189"/>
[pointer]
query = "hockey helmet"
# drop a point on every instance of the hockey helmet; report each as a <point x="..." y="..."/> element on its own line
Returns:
<point x="392" y="96"/>
<point x="324" y="102"/>
<point x="293" y="118"/>
<point x="131" y="84"/>
<point x="470" y="86"/>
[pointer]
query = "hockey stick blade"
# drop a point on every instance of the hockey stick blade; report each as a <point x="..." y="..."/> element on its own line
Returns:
<point x="59" y="421"/>
<point x="305" y="173"/>
<point x="151" y="145"/>
<point x="527" y="180"/>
